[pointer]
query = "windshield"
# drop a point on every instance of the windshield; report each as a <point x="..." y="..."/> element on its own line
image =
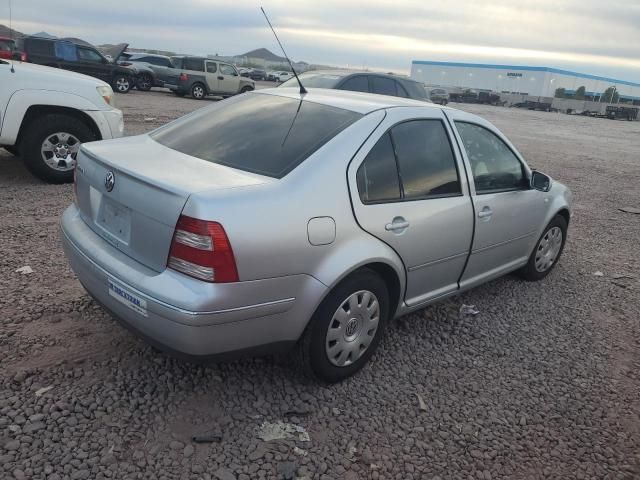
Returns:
<point x="264" y="134"/>
<point x="314" y="80"/>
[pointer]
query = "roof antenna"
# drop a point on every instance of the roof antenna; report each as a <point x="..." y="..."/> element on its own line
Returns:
<point x="11" y="34"/>
<point x="302" y="89"/>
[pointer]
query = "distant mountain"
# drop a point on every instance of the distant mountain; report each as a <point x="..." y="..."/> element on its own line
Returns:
<point x="263" y="54"/>
<point x="44" y="35"/>
<point x="6" y="32"/>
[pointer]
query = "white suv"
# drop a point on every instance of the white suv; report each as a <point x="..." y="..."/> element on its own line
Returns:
<point x="46" y="113"/>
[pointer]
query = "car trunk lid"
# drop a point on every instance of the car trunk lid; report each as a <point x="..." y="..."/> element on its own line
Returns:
<point x="131" y="192"/>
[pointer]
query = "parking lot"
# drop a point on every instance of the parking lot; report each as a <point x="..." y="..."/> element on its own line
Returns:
<point x="544" y="382"/>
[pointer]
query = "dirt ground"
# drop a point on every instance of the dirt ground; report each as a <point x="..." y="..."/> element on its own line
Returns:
<point x="543" y="383"/>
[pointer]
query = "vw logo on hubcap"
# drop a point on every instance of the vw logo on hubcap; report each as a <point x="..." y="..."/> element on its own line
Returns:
<point x="109" y="181"/>
<point x="352" y="327"/>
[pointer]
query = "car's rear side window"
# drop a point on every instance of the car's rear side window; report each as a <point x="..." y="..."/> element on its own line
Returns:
<point x="358" y="83"/>
<point x="377" y="177"/>
<point x="383" y="86"/>
<point x="425" y="159"/>
<point x="265" y="134"/>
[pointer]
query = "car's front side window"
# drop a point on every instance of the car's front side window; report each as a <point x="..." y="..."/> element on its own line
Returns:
<point x="494" y="166"/>
<point x="89" y="55"/>
<point x="227" y="70"/>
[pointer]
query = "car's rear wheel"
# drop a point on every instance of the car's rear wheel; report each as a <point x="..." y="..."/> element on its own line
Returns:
<point x="144" y="82"/>
<point x="50" y="145"/>
<point x="197" y="91"/>
<point x="547" y="251"/>
<point x="121" y="84"/>
<point x="345" y="330"/>
<point x="245" y="89"/>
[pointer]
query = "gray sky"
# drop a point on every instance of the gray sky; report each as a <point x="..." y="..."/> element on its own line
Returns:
<point x="591" y="36"/>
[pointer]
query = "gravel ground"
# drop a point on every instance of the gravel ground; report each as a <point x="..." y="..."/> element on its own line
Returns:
<point x="543" y="383"/>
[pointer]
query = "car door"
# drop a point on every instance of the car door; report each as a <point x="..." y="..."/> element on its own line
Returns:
<point x="228" y="79"/>
<point x="409" y="189"/>
<point x="92" y="63"/>
<point x="212" y="76"/>
<point x="508" y="213"/>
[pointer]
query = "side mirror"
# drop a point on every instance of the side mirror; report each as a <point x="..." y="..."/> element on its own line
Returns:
<point x="540" y="181"/>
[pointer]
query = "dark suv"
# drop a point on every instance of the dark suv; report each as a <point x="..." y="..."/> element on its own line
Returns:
<point x="368" y="82"/>
<point x="78" y="58"/>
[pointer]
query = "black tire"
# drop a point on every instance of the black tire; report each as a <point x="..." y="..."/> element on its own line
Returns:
<point x="12" y="150"/>
<point x="245" y="89"/>
<point x="144" y="82"/>
<point x="198" y="91"/>
<point x="311" y="348"/>
<point x="529" y="272"/>
<point x="38" y="131"/>
<point x="121" y="83"/>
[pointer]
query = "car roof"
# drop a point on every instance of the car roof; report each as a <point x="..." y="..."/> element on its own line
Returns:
<point x="359" y="102"/>
<point x="346" y="73"/>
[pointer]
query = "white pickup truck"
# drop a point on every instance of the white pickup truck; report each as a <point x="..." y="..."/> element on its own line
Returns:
<point x="46" y="113"/>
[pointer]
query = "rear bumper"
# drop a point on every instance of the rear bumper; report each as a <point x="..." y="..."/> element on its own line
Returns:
<point x="244" y="317"/>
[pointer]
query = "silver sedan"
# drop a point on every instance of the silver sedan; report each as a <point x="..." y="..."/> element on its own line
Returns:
<point x="274" y="220"/>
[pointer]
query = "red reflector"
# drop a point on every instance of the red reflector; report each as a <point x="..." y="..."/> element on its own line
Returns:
<point x="183" y="77"/>
<point x="201" y="249"/>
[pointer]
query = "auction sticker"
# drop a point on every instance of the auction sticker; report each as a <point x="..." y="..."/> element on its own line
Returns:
<point x="124" y="296"/>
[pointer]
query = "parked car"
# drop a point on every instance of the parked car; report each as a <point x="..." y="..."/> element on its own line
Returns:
<point x="370" y="82"/>
<point x="78" y="58"/>
<point x="244" y="72"/>
<point x="146" y="77"/>
<point x="9" y="50"/>
<point x="284" y="76"/>
<point x="273" y="76"/>
<point x="200" y="77"/>
<point x="439" y="95"/>
<point x="47" y="113"/>
<point x="257" y="74"/>
<point x="290" y="224"/>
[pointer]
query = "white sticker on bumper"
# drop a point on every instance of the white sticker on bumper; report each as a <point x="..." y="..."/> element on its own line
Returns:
<point x="124" y="296"/>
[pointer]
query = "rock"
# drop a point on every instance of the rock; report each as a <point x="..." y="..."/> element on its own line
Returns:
<point x="12" y="445"/>
<point x="287" y="470"/>
<point x="175" y="445"/>
<point x="30" y="428"/>
<point x="224" y="474"/>
<point x="188" y="451"/>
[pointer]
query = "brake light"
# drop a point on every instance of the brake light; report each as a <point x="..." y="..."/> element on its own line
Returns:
<point x="183" y="77"/>
<point x="201" y="249"/>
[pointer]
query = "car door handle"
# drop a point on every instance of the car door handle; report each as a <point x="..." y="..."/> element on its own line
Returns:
<point x="486" y="212"/>
<point x="398" y="223"/>
<point x="220" y="78"/>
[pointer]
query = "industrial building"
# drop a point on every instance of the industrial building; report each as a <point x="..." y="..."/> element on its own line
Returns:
<point x="538" y="81"/>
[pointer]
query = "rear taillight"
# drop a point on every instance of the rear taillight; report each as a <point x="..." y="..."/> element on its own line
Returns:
<point x="201" y="249"/>
<point x="183" y="77"/>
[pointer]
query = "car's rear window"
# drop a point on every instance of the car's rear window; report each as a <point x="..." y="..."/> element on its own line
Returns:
<point x="314" y="80"/>
<point x="265" y="134"/>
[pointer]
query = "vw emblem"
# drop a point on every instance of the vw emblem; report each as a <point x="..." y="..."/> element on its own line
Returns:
<point x="109" y="181"/>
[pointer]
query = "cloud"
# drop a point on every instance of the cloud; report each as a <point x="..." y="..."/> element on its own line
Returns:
<point x="589" y="35"/>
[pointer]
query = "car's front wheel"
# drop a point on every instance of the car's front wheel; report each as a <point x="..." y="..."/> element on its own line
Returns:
<point x="50" y="145"/>
<point x="547" y="251"/>
<point x="121" y="84"/>
<point x="345" y="330"/>
<point x="245" y="89"/>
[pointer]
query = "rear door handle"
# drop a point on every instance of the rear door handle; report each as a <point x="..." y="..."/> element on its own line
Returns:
<point x="486" y="212"/>
<point x="398" y="223"/>
<point x="220" y="78"/>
